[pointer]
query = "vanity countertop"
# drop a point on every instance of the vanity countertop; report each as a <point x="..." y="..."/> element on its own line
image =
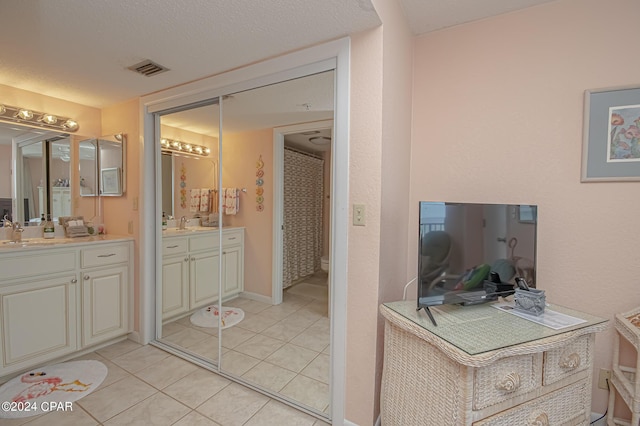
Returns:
<point x="190" y="230"/>
<point x="7" y="246"/>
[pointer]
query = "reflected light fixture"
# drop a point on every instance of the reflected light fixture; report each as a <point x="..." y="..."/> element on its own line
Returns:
<point x="36" y="118"/>
<point x="320" y="140"/>
<point x="171" y="145"/>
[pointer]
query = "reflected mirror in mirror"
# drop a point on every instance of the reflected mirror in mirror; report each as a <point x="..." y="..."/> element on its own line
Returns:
<point x="112" y="165"/>
<point x="88" y="166"/>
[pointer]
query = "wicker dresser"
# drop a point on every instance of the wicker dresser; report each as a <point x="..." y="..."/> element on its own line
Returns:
<point x="482" y="366"/>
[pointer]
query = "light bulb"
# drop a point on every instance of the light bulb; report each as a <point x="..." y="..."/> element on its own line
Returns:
<point x="49" y="119"/>
<point x="25" y="114"/>
<point x="70" y="125"/>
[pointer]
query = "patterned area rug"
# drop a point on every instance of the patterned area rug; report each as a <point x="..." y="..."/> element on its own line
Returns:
<point x="208" y="317"/>
<point x="50" y="388"/>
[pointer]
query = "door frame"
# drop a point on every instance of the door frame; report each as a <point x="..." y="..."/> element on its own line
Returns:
<point x="331" y="55"/>
<point x="278" y="199"/>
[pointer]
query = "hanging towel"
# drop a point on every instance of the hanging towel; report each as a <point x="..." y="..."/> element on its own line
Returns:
<point x="214" y="200"/>
<point x="231" y="201"/>
<point x="194" y="205"/>
<point x="204" y="200"/>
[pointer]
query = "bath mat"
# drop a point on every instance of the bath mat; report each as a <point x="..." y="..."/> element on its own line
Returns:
<point x="318" y="292"/>
<point x="208" y="317"/>
<point x="50" y="388"/>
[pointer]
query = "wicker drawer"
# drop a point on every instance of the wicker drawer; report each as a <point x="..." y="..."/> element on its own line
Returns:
<point x="171" y="246"/>
<point x="506" y="379"/>
<point x="567" y="360"/>
<point x="105" y="255"/>
<point x="566" y="406"/>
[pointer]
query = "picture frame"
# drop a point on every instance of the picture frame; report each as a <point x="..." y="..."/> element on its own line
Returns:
<point x="611" y="135"/>
<point x="527" y="213"/>
<point x="110" y="181"/>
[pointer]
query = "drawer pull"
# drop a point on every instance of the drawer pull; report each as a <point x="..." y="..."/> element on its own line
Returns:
<point x="175" y="246"/>
<point x="86" y="277"/>
<point x="570" y="362"/>
<point x="186" y="259"/>
<point x="73" y="281"/>
<point x="231" y="238"/>
<point x="510" y="383"/>
<point x="106" y="255"/>
<point x="540" y="420"/>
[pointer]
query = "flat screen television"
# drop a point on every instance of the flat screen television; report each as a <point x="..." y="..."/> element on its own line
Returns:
<point x="472" y="253"/>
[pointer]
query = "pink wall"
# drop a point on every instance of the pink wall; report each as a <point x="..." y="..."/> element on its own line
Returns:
<point x="497" y="117"/>
<point x="241" y="152"/>
<point x="120" y="214"/>
<point x="380" y="136"/>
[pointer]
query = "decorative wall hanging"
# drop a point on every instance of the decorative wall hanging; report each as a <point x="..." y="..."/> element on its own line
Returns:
<point x="259" y="183"/>
<point x="611" y="139"/>
<point x="183" y="186"/>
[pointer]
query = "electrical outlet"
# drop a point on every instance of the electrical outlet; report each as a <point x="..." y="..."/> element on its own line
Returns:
<point x="603" y="377"/>
<point x="358" y="215"/>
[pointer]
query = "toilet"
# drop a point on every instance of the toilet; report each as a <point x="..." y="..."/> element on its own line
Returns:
<point x="324" y="263"/>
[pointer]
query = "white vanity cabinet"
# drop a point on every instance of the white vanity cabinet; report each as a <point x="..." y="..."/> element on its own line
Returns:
<point x="56" y="300"/>
<point x="105" y="284"/>
<point x="191" y="269"/>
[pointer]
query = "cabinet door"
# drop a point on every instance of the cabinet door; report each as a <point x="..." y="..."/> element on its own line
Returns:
<point x="104" y="304"/>
<point x="232" y="270"/>
<point x="175" y="285"/>
<point x="204" y="278"/>
<point x="38" y="322"/>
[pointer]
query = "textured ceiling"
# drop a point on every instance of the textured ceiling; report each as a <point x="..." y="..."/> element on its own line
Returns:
<point x="425" y="16"/>
<point x="79" y="50"/>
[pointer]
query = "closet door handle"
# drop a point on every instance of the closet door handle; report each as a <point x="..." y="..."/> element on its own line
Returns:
<point x="86" y="277"/>
<point x="186" y="259"/>
<point x="73" y="281"/>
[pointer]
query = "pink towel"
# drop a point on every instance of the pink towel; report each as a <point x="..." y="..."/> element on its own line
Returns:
<point x="204" y="200"/>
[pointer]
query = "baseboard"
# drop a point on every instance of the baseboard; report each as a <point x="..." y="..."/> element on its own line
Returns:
<point x="257" y="297"/>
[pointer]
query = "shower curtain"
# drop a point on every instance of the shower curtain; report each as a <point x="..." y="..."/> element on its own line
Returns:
<point x="302" y="234"/>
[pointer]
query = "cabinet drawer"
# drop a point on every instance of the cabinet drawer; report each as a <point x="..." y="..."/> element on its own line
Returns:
<point x="105" y="255"/>
<point x="207" y="241"/>
<point x="506" y="379"/>
<point x="44" y="263"/>
<point x="232" y="238"/>
<point x="171" y="246"/>
<point x="567" y="360"/>
<point x="566" y="406"/>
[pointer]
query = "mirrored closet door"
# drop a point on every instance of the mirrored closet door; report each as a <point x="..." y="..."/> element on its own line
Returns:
<point x="258" y="315"/>
<point x="190" y="236"/>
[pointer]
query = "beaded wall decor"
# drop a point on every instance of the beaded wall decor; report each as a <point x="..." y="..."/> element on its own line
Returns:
<point x="259" y="183"/>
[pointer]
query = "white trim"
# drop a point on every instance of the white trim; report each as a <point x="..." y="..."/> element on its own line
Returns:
<point x="278" y="198"/>
<point x="334" y="54"/>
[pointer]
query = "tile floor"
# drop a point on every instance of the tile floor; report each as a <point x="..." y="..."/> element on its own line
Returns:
<point x="283" y="348"/>
<point x="147" y="386"/>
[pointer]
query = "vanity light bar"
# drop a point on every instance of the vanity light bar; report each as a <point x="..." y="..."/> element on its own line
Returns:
<point x="36" y="118"/>
<point x="183" y="147"/>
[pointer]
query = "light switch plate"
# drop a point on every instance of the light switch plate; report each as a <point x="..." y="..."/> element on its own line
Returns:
<point x="359" y="215"/>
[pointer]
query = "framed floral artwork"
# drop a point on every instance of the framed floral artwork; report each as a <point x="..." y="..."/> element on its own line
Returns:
<point x="611" y="137"/>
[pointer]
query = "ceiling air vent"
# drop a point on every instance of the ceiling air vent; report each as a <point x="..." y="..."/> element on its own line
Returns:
<point x="148" y="68"/>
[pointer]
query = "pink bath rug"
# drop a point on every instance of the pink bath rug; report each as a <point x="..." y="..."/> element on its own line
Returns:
<point x="208" y="317"/>
<point x="51" y="388"/>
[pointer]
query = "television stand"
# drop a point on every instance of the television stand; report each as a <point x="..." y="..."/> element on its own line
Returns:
<point x="428" y="311"/>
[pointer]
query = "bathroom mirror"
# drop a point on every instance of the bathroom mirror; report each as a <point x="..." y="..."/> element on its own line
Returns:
<point x="38" y="170"/>
<point x="112" y="165"/>
<point x="88" y="167"/>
